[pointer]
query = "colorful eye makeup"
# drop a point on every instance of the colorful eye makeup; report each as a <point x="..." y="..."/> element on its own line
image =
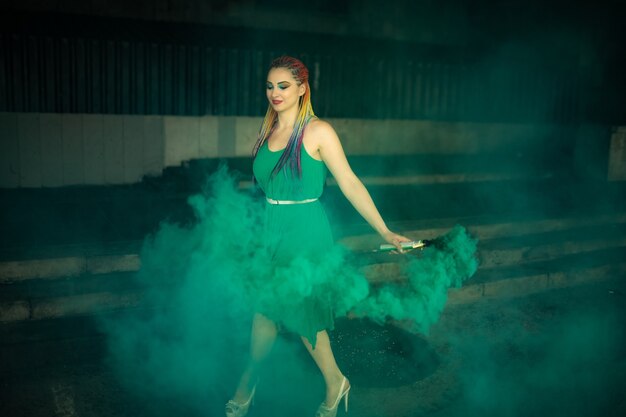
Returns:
<point x="283" y="85"/>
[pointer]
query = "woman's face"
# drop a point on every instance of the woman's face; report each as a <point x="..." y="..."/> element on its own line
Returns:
<point x="283" y="91"/>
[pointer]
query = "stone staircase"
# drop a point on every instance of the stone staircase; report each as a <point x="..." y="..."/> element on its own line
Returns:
<point x="69" y="256"/>
<point x="517" y="257"/>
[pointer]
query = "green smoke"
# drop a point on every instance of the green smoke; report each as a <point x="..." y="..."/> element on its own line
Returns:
<point x="204" y="280"/>
<point x="196" y="317"/>
<point x="446" y="264"/>
<point x="574" y="367"/>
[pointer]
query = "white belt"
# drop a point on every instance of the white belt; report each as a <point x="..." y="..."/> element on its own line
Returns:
<point x="308" y="200"/>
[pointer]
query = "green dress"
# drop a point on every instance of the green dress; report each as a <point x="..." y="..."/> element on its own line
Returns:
<point x="298" y="236"/>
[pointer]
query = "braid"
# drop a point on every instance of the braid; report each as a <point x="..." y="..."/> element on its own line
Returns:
<point x="293" y="150"/>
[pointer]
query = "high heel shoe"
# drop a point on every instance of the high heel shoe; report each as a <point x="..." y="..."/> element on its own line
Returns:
<point x="325" y="411"/>
<point x="235" y="409"/>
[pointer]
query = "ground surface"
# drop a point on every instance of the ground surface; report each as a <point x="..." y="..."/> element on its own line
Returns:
<point x="558" y="353"/>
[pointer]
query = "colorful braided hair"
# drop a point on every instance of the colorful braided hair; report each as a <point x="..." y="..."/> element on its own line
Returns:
<point x="291" y="155"/>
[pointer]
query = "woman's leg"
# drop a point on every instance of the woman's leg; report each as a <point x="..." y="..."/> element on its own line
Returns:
<point x="325" y="360"/>
<point x="262" y="339"/>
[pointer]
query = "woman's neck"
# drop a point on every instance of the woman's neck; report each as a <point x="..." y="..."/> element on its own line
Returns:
<point x="287" y="119"/>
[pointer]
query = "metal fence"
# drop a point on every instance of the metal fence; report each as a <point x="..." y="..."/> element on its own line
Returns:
<point x="59" y="74"/>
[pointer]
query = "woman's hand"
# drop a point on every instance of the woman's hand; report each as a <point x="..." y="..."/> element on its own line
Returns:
<point x="395" y="239"/>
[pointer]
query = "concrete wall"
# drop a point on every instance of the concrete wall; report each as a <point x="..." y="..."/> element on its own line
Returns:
<point x="52" y="150"/>
<point x="617" y="155"/>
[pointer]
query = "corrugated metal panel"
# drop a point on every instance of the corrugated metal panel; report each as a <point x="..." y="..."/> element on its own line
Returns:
<point x="77" y="75"/>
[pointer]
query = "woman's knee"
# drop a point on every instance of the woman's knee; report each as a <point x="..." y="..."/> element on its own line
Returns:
<point x="263" y="324"/>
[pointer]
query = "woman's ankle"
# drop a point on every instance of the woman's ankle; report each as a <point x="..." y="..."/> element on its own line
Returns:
<point x="245" y="387"/>
<point x="335" y="379"/>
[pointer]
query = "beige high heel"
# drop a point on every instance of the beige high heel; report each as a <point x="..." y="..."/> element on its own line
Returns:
<point x="235" y="409"/>
<point x="325" y="411"/>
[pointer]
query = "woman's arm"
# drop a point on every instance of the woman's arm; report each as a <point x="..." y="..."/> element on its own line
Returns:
<point x="331" y="152"/>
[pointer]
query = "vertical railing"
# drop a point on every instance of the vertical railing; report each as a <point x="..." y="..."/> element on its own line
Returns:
<point x="78" y="75"/>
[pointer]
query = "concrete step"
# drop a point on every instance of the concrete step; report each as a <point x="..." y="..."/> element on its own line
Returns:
<point x="67" y="267"/>
<point x="33" y="218"/>
<point x="484" y="228"/>
<point x="433" y="179"/>
<point x="517" y="258"/>
<point x="525" y="282"/>
<point x="86" y="260"/>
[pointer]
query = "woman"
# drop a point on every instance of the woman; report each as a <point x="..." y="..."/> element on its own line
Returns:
<point x="291" y="155"/>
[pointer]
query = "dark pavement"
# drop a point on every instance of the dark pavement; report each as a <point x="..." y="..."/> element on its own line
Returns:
<point x="558" y="353"/>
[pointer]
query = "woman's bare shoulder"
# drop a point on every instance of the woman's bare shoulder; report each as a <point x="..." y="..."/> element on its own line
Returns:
<point x="320" y="129"/>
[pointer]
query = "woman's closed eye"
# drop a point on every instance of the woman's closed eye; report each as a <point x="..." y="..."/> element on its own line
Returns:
<point x="281" y="86"/>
